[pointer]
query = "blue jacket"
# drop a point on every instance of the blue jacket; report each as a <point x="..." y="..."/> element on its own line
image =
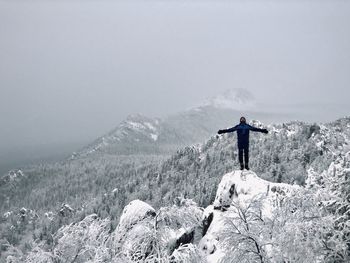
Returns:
<point x="243" y="133"/>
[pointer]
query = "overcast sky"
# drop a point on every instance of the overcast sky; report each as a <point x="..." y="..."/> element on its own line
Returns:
<point x="72" y="70"/>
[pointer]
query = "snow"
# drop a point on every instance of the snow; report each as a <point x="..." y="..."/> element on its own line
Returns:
<point x="14" y="174"/>
<point x="209" y="244"/>
<point x="150" y="126"/>
<point x="67" y="207"/>
<point x="136" y="125"/>
<point x="141" y="125"/>
<point x="246" y="186"/>
<point x="311" y="178"/>
<point x="319" y="144"/>
<point x="104" y="142"/>
<point x="275" y="129"/>
<point x="239" y="189"/>
<point x="237" y="99"/>
<point x="135" y="211"/>
<point x="145" y="127"/>
<point x="7" y="214"/>
<point x="291" y="133"/>
<point x="49" y="215"/>
<point x="154" y="136"/>
<point x="173" y="235"/>
<point x="135" y="222"/>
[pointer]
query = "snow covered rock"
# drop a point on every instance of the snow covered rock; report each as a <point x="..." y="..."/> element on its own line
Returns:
<point x="136" y="221"/>
<point x="244" y="196"/>
<point x="135" y="212"/>
<point x="243" y="186"/>
<point x="225" y="192"/>
<point x="168" y="233"/>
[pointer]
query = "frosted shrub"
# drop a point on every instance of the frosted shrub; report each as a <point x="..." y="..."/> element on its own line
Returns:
<point x="85" y="241"/>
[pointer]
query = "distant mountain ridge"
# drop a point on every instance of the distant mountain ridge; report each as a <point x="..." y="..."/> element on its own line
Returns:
<point x="139" y="134"/>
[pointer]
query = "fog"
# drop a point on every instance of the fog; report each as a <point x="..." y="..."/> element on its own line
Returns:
<point x="72" y="70"/>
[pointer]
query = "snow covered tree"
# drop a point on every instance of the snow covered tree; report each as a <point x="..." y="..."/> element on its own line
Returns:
<point x="246" y="234"/>
<point x="85" y="241"/>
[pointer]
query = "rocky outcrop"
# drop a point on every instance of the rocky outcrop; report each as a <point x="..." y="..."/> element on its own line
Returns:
<point x="135" y="212"/>
<point x="143" y="232"/>
<point x="239" y="191"/>
<point x="137" y="217"/>
<point x="170" y="231"/>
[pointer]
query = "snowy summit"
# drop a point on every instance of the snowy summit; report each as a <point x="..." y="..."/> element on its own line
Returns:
<point x="236" y="99"/>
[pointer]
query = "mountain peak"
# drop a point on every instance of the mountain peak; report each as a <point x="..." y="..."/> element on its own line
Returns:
<point x="237" y="99"/>
<point x="137" y="117"/>
<point x="142" y="124"/>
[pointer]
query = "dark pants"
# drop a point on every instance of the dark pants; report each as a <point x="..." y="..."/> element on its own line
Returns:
<point x="244" y="150"/>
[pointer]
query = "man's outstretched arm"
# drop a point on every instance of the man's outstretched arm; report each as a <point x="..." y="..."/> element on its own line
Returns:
<point x="257" y="129"/>
<point x="228" y="130"/>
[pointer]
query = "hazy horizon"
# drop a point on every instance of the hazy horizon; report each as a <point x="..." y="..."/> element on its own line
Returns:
<point x="70" y="71"/>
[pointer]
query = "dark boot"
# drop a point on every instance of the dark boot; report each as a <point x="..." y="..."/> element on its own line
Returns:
<point x="242" y="166"/>
<point x="246" y="166"/>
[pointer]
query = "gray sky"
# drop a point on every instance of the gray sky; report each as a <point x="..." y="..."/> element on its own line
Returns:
<point x="72" y="70"/>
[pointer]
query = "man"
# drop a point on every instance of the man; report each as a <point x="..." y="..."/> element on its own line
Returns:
<point x="243" y="140"/>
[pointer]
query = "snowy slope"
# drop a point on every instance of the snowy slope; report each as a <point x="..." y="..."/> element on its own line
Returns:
<point x="134" y="132"/>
